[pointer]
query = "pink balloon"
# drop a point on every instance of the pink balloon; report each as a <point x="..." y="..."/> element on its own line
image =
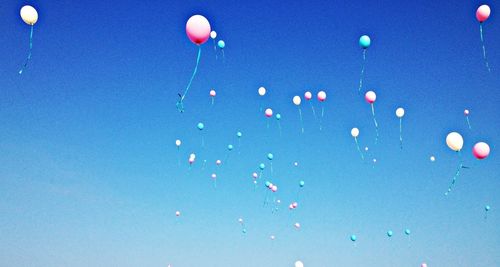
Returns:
<point x="191" y="160"/>
<point x="212" y="93"/>
<point x="423" y="265"/>
<point x="308" y="95"/>
<point x="291" y="206"/>
<point x="255" y="175"/>
<point x="481" y="150"/>
<point x="483" y="13"/>
<point x="269" y="113"/>
<point x="198" y="29"/>
<point x="274" y="188"/>
<point x="370" y="97"/>
<point x="466" y="112"/>
<point x="321" y="96"/>
<point x="294" y="204"/>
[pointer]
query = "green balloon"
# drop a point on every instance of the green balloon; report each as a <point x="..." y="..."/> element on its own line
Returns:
<point x="364" y="41"/>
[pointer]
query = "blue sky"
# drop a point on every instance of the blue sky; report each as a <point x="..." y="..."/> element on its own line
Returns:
<point x="89" y="172"/>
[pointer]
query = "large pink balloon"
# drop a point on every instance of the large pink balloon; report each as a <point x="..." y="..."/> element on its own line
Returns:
<point x="370" y="97"/>
<point x="423" y="265"/>
<point x="483" y="13"/>
<point x="198" y="29"/>
<point x="481" y="150"/>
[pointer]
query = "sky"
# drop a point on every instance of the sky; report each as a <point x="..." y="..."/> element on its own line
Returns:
<point x="90" y="174"/>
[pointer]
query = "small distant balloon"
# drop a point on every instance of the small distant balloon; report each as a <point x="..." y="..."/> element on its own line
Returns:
<point x="400" y="112"/>
<point x="432" y="158"/>
<point x="239" y="134"/>
<point x="177" y="213"/>
<point x="466" y="113"/>
<point x="230" y="147"/>
<point x="321" y="96"/>
<point x="297" y="225"/>
<point x="178" y="143"/>
<point x="218" y="162"/>
<point x="487" y="208"/>
<point x="481" y="150"/>
<point x="353" y="238"/>
<point x="262" y="91"/>
<point x="270" y="156"/>
<point x="221" y="44"/>
<point x="262" y="166"/>
<point x="389" y="233"/>
<point x="355" y="134"/>
<point x="407" y="231"/>
<point x="269" y="112"/>
<point x="370" y="97"/>
<point x="423" y="265"/>
<point x="296" y="101"/>
<point x="308" y="95"/>
<point x="302" y="183"/>
<point x="200" y="126"/>
<point x="299" y="264"/>
<point x="213" y="34"/>
<point x="364" y="42"/>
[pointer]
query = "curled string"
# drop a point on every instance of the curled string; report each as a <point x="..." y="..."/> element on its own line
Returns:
<point x="375" y="122"/>
<point x="401" y="133"/>
<point x="313" y="110"/>
<point x="180" y="105"/>
<point x="457" y="173"/>
<point x="362" y="71"/>
<point x="301" y="122"/>
<point x="484" y="49"/>
<point x="29" y="53"/>
<point x="468" y="122"/>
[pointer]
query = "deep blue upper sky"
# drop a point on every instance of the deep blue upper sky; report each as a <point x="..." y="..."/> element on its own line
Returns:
<point x="89" y="172"/>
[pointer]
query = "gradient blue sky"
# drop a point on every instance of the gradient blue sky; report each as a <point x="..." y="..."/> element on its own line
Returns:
<point x="89" y="171"/>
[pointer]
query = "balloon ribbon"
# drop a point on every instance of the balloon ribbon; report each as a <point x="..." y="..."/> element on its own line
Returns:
<point x="180" y="104"/>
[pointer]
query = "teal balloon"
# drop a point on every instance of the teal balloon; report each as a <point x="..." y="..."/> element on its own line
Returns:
<point x="270" y="156"/>
<point x="353" y="238"/>
<point x="487" y="208"/>
<point x="230" y="147"/>
<point x="200" y="126"/>
<point x="239" y="134"/>
<point x="389" y="233"/>
<point x="221" y="44"/>
<point x="278" y="116"/>
<point x="407" y="232"/>
<point x="268" y="183"/>
<point x="302" y="183"/>
<point x="262" y="166"/>
<point x="364" y="41"/>
<point x="244" y="231"/>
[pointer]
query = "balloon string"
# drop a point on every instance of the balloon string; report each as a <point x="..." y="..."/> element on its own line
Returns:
<point x="223" y="56"/>
<point x="357" y="146"/>
<point x="279" y="126"/>
<point x="362" y="71"/>
<point x="215" y="49"/>
<point x="321" y="119"/>
<point x="484" y="49"/>
<point x="180" y="105"/>
<point x="457" y="173"/>
<point x="313" y="110"/>
<point x="375" y="122"/>
<point x="401" y="133"/>
<point x="212" y="101"/>
<point x="301" y="122"/>
<point x="29" y="53"/>
<point x="468" y="122"/>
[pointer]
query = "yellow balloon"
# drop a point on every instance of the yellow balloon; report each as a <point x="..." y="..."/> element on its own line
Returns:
<point x="29" y="15"/>
<point x="454" y="141"/>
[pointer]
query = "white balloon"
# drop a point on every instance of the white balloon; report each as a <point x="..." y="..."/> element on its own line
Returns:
<point x="400" y="112"/>
<point x="29" y="15"/>
<point x="213" y="34"/>
<point x="178" y="142"/>
<point x="297" y="100"/>
<point x="454" y="141"/>
<point x="355" y="132"/>
<point x="262" y="91"/>
<point x="299" y="264"/>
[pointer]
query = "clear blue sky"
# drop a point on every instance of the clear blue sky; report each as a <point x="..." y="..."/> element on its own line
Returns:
<point x="89" y="171"/>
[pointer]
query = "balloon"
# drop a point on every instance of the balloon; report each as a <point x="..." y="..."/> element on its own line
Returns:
<point x="295" y="205"/>
<point x="274" y="188"/>
<point x="272" y="237"/>
<point x="355" y="132"/>
<point x="487" y="208"/>
<point x="262" y="166"/>
<point x="178" y="143"/>
<point x="270" y="156"/>
<point x="230" y="147"/>
<point x="262" y="91"/>
<point x="218" y="162"/>
<point x="299" y="264"/>
<point x="370" y="97"/>
<point x="407" y="231"/>
<point x="198" y="29"/>
<point x="483" y="13"/>
<point x="454" y="141"/>
<point x="221" y="44"/>
<point x="433" y="158"/>
<point x="297" y="225"/>
<point x="353" y="238"/>
<point x="29" y="15"/>
<point x="400" y="112"/>
<point x="268" y="183"/>
<point x="255" y="175"/>
<point x="302" y="183"/>
<point x="389" y="233"/>
<point x="308" y="95"/>
<point x="240" y="220"/>
<point x="481" y="150"/>
<point x="212" y="93"/>
<point x="364" y="41"/>
<point x="239" y="134"/>
<point x="214" y="175"/>
<point x="278" y="116"/>
<point x="200" y="126"/>
<point x="296" y="164"/>
<point x="296" y="100"/>
<point x="269" y="112"/>
<point x="321" y="96"/>
<point x="244" y="231"/>
<point x="177" y="213"/>
<point x="466" y="112"/>
<point x="423" y="265"/>
<point x="213" y="34"/>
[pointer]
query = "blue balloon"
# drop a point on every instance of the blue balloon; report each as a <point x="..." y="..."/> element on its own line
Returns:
<point x="278" y="116"/>
<point x="302" y="183"/>
<point x="268" y="183"/>
<point x="270" y="156"/>
<point x="389" y="233"/>
<point x="364" y="41"/>
<point x="407" y="232"/>
<point x="262" y="166"/>
<point x="239" y="134"/>
<point x="200" y="126"/>
<point x="221" y="44"/>
<point x="487" y="208"/>
<point x="353" y="238"/>
<point x="230" y="147"/>
<point x="244" y="230"/>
